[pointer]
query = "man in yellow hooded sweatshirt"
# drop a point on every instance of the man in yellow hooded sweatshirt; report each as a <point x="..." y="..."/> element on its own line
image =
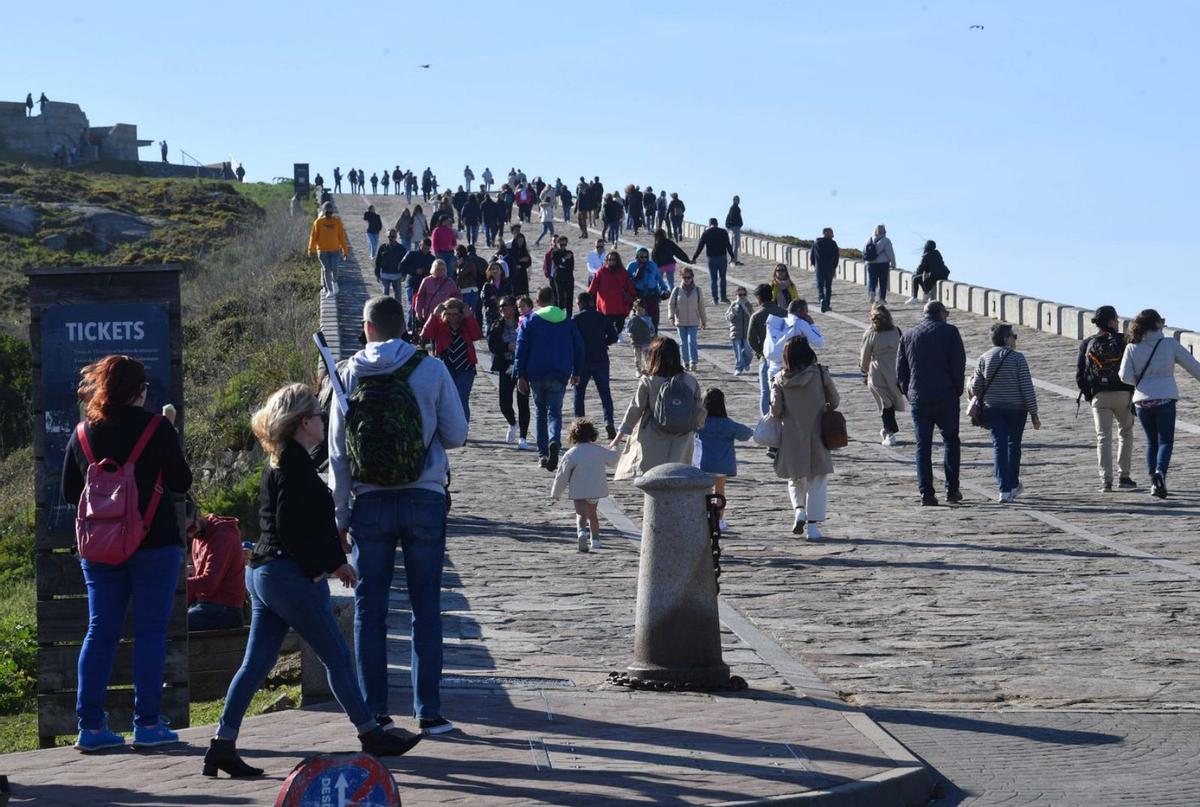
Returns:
<point x="328" y="241"/>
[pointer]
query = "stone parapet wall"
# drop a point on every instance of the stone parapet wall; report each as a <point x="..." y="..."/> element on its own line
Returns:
<point x="1031" y="312"/>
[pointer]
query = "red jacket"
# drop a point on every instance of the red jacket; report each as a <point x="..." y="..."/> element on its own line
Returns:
<point x="444" y="238"/>
<point x="613" y="289"/>
<point x="219" y="567"/>
<point x="438" y="333"/>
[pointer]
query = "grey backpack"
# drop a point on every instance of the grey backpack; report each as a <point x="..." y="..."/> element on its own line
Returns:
<point x="675" y="406"/>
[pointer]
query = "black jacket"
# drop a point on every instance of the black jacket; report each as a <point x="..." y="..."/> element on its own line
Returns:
<point x="115" y="440"/>
<point x="734" y="217"/>
<point x="501" y="358"/>
<point x="472" y="211"/>
<point x="296" y="516"/>
<point x="933" y="266"/>
<point x="374" y="222"/>
<point x="756" y="334"/>
<point x="666" y="252"/>
<point x="564" y="263"/>
<point x="388" y="259"/>
<point x="715" y="243"/>
<point x="489" y="210"/>
<point x="613" y="210"/>
<point x="416" y="266"/>
<point x="1084" y="380"/>
<point x="824" y="253"/>
<point x="598" y="332"/>
<point x="676" y="208"/>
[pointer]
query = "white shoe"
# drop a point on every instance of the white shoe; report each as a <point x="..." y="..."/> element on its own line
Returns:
<point x="883" y="435"/>
<point x="911" y="301"/>
<point x="814" y="532"/>
<point x="594" y="541"/>
<point x="583" y="542"/>
<point x="511" y="435"/>
<point x="722" y="525"/>
<point x="1005" y="496"/>
<point x="798" y="524"/>
<point x="889" y="440"/>
<point x="522" y="444"/>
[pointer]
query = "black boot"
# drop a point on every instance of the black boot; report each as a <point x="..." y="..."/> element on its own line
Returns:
<point x="222" y="755"/>
<point x="386" y="744"/>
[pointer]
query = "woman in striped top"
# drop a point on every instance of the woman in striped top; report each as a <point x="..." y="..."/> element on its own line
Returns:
<point x="1005" y="388"/>
<point x="451" y="332"/>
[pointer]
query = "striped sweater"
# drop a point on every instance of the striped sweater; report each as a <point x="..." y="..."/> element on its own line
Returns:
<point x="1011" y="387"/>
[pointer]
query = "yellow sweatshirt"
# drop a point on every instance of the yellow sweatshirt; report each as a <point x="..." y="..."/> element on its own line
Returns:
<point x="328" y="235"/>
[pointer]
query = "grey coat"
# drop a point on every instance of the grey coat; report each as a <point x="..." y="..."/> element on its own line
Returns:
<point x="798" y="401"/>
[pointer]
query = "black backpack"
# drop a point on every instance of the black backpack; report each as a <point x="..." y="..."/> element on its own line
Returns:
<point x="870" y="251"/>
<point x="1104" y="353"/>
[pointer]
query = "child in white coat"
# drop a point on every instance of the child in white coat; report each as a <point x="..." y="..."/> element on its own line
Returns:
<point x="582" y="474"/>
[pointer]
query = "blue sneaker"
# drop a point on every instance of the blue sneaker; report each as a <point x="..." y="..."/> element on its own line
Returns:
<point x="150" y="736"/>
<point x="91" y="741"/>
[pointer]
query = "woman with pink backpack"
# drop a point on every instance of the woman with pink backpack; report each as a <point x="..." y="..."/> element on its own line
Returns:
<point x="121" y="466"/>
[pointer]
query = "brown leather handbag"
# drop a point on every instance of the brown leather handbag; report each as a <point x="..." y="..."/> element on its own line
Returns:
<point x="834" y="434"/>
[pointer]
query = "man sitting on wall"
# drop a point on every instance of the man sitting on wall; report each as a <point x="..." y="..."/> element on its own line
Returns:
<point x="216" y="586"/>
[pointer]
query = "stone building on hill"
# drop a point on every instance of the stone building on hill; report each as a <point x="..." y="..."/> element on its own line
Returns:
<point x="59" y="127"/>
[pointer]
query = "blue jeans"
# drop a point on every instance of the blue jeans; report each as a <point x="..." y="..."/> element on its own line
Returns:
<point x="470" y="298"/>
<point x="463" y="381"/>
<point x="716" y="276"/>
<point x="416" y="520"/>
<point x="329" y="267"/>
<point x="1007" y="427"/>
<point x="599" y="374"/>
<point x="1159" y="424"/>
<point x="943" y="415"/>
<point x="547" y="404"/>
<point x="282" y="596"/>
<point x="489" y="232"/>
<point x="877" y="280"/>
<point x="668" y="271"/>
<point x="566" y="214"/>
<point x="736" y="243"/>
<point x="614" y="232"/>
<point x="472" y="232"/>
<point x="451" y="261"/>
<point x="391" y="287"/>
<point x="677" y="227"/>
<point x="764" y="386"/>
<point x="373" y="241"/>
<point x="148" y="578"/>
<point x="687" y="343"/>
<point x="742" y="355"/>
<point x="213" y="616"/>
<point x="825" y="287"/>
<point x="547" y="229"/>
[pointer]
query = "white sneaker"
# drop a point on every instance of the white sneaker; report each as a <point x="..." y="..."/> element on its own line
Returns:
<point x="723" y="525"/>
<point x="594" y="541"/>
<point x="890" y="440"/>
<point x="911" y="301"/>
<point x="522" y="444"/>
<point x="584" y="543"/>
<point x="511" y="434"/>
<point x="883" y="435"/>
<point x="814" y="532"/>
<point x="1005" y="496"/>
<point x="798" y="524"/>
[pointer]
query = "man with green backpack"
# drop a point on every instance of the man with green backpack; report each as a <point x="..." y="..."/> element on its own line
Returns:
<point x="388" y="472"/>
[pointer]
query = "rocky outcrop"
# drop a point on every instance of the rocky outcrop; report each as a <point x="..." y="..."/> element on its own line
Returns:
<point x="18" y="219"/>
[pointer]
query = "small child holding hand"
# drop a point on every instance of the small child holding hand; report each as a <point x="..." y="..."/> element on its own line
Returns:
<point x="582" y="474"/>
<point x="718" y="455"/>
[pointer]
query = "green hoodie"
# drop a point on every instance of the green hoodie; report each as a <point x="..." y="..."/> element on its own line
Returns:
<point x="551" y="313"/>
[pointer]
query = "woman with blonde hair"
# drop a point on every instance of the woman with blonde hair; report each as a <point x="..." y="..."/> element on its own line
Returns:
<point x="299" y="546"/>
<point x="877" y="362"/>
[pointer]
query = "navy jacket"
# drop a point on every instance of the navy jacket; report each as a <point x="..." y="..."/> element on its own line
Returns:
<point x="548" y="347"/>
<point x="597" y="332"/>
<point x="931" y="363"/>
<point x="824" y="253"/>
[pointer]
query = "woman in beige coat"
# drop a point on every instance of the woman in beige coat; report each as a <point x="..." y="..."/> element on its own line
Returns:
<point x="686" y="311"/>
<point x="649" y="445"/>
<point x="798" y="397"/>
<point x="877" y="360"/>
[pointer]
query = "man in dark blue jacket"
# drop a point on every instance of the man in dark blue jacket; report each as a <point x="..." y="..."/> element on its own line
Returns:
<point x="824" y="257"/>
<point x="597" y="332"/>
<point x="549" y="354"/>
<point x="930" y="368"/>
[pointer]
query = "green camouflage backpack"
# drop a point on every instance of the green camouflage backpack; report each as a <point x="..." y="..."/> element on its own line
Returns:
<point x="385" y="436"/>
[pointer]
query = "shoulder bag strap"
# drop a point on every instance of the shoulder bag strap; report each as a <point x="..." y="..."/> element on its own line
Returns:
<point x="1142" y="374"/>
<point x="1003" y="357"/>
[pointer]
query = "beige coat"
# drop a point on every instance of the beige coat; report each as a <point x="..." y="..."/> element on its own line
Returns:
<point x="798" y="400"/>
<point x="581" y="474"/>
<point x="687" y="310"/>
<point x="877" y="358"/>
<point x="648" y="446"/>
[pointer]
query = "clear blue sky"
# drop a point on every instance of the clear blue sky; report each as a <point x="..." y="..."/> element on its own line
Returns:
<point x="1053" y="153"/>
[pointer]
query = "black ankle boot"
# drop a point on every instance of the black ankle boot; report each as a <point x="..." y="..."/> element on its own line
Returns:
<point x="222" y="755"/>
<point x="387" y="744"/>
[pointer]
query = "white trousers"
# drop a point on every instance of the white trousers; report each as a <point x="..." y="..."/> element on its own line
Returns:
<point x="810" y="495"/>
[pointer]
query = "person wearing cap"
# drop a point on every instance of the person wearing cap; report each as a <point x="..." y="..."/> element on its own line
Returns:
<point x="1097" y="374"/>
<point x="930" y="369"/>
<point x="327" y="240"/>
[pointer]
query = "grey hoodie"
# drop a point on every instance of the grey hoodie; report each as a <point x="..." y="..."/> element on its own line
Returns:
<point x="442" y="417"/>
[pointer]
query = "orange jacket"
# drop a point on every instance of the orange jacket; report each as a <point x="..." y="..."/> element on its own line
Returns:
<point x="328" y="235"/>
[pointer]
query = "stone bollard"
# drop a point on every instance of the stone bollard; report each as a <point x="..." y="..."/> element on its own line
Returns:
<point x="678" y="634"/>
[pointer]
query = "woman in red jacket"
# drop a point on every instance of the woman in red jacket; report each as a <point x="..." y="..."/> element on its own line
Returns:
<point x="613" y="290"/>
<point x="452" y="331"/>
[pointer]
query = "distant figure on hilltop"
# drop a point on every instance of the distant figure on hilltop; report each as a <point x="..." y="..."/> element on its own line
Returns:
<point x="383" y="181"/>
<point x="469" y="176"/>
<point x="42" y="101"/>
<point x="733" y="223"/>
<point x="240" y="173"/>
<point x="29" y="105"/>
<point x="487" y="180"/>
<point x="374" y="183"/>
<point x="337" y="179"/>
<point x="162" y="147"/>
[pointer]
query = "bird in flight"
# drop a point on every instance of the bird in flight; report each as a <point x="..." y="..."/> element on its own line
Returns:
<point x="423" y="66"/>
<point x="980" y="27"/>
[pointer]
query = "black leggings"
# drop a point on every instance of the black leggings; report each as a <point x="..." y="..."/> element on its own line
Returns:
<point x="508" y="386"/>
<point x="889" y="421"/>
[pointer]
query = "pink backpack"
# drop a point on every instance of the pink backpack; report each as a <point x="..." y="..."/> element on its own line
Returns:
<point x="108" y="526"/>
